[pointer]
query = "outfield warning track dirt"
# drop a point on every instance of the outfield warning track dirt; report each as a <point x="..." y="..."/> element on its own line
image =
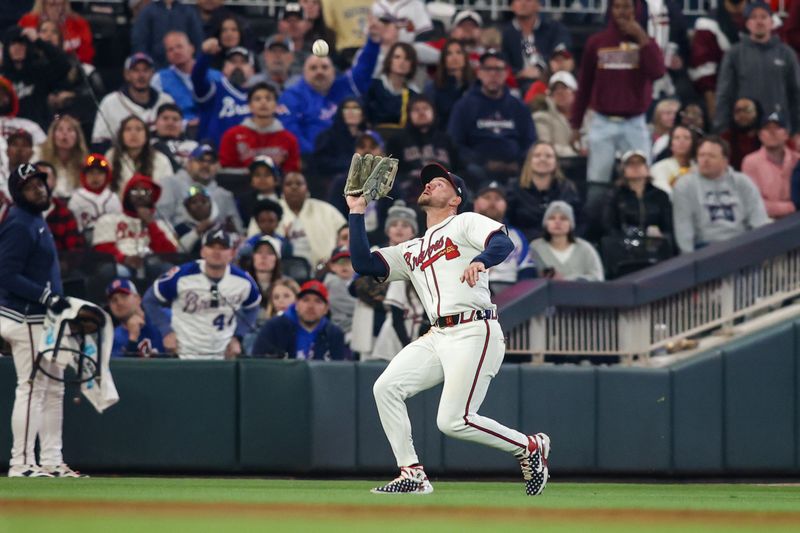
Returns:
<point x="378" y="511"/>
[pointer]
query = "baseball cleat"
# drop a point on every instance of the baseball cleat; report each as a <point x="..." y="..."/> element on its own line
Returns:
<point x="62" y="470"/>
<point x="27" y="471"/>
<point x="534" y="464"/>
<point x="412" y="480"/>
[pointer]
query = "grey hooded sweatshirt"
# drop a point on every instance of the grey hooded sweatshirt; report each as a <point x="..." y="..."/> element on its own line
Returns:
<point x="766" y="73"/>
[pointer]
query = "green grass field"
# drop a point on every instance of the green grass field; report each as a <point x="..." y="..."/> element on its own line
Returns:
<point x="157" y="505"/>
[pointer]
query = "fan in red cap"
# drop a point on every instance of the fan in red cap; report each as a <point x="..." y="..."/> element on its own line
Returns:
<point x="304" y="330"/>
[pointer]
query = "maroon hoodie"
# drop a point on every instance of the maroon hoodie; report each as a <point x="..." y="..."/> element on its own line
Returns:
<point x="616" y="75"/>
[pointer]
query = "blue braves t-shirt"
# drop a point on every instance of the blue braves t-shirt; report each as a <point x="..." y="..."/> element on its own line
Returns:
<point x="149" y="342"/>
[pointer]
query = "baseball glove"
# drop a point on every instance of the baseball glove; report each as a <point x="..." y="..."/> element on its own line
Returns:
<point x="370" y="176"/>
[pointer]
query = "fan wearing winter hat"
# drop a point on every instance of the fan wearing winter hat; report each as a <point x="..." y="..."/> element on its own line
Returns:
<point x="94" y="198"/>
<point x="559" y="254"/>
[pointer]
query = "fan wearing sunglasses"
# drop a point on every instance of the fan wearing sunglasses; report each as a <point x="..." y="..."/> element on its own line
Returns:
<point x="213" y="303"/>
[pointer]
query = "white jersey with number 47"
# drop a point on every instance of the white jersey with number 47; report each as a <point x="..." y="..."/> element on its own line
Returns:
<point x="204" y="311"/>
<point x="435" y="263"/>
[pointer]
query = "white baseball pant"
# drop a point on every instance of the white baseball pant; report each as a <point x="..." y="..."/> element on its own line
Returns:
<point x="466" y="357"/>
<point x="38" y="406"/>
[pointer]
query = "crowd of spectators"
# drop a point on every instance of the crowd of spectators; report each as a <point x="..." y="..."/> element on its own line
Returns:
<point x="226" y="147"/>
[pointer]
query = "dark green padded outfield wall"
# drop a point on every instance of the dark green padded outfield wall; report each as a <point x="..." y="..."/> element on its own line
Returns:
<point x="735" y="410"/>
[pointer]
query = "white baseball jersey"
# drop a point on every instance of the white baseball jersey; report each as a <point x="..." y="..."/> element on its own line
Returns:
<point x="128" y="233"/>
<point x="411" y="15"/>
<point x="435" y="263"/>
<point x="204" y="311"/>
<point x="88" y="206"/>
<point x="116" y="107"/>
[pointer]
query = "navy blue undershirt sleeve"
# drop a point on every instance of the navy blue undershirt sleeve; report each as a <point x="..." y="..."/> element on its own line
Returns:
<point x="496" y="251"/>
<point x="365" y="262"/>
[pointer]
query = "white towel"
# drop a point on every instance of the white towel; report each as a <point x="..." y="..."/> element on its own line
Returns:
<point x="100" y="391"/>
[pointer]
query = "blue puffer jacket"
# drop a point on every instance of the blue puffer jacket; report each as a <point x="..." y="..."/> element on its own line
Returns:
<point x="305" y="112"/>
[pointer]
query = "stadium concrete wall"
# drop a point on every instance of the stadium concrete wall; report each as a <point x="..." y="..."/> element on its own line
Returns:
<point x="733" y="411"/>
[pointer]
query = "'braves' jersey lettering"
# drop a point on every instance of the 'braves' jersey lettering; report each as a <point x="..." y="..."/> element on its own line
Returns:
<point x="434" y="264"/>
<point x="204" y="311"/>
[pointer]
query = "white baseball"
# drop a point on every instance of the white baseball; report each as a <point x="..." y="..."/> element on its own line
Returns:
<point x="320" y="48"/>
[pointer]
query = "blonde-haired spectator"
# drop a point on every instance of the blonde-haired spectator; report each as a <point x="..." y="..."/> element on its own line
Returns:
<point x="65" y="149"/>
<point x="663" y="121"/>
<point x="540" y="183"/>
<point x="75" y="30"/>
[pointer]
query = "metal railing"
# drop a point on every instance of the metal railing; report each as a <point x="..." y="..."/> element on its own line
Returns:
<point x="640" y="331"/>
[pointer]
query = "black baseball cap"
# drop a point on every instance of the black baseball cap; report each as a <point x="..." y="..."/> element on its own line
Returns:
<point x="495" y="186"/>
<point x="218" y="236"/>
<point x="264" y="161"/>
<point x="292" y="9"/>
<point x="240" y="51"/>
<point x="492" y="52"/>
<point x="435" y="170"/>
<point x="774" y="118"/>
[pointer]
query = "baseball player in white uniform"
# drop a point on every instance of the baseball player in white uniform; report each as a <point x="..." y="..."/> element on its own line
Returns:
<point x="464" y="347"/>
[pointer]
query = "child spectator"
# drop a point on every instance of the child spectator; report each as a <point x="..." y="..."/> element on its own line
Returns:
<point x="94" y="198"/>
<point x="267" y="216"/>
<point x="336" y="281"/>
<point x="282" y="294"/>
<point x="134" y="335"/>
<point x="260" y="135"/>
<point x="263" y="185"/>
